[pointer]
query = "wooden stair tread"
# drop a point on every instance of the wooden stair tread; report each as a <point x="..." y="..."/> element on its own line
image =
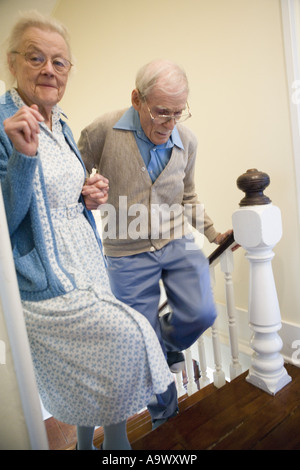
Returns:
<point x="138" y="425"/>
<point x="236" y="416"/>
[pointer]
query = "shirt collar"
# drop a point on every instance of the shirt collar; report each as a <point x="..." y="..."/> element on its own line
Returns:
<point x="56" y="110"/>
<point x="130" y="121"/>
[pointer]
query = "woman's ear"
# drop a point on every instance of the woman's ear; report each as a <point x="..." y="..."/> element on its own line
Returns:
<point x="11" y="64"/>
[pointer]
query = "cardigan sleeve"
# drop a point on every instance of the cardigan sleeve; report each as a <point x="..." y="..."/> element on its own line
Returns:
<point x="16" y="177"/>
<point x="93" y="139"/>
<point x="86" y="152"/>
<point x="91" y="143"/>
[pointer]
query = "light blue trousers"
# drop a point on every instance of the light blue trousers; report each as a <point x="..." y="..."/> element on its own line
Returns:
<point x="185" y="274"/>
<point x="184" y="271"/>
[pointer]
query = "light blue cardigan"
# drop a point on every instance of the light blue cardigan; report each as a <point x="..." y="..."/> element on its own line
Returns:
<point x="28" y="217"/>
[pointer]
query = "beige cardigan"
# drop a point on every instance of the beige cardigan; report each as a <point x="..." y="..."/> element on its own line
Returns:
<point x="140" y="215"/>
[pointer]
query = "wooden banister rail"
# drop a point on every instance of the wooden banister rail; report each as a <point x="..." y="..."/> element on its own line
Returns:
<point x="214" y="256"/>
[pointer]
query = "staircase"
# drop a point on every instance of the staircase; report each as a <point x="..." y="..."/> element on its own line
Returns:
<point x="139" y="426"/>
<point x="262" y="412"/>
<point x="238" y="416"/>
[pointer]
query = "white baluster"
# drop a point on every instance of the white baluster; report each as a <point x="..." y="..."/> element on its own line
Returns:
<point x="219" y="375"/>
<point x="227" y="266"/>
<point x="258" y="229"/>
<point x="179" y="384"/>
<point x="204" y="379"/>
<point x="191" y="386"/>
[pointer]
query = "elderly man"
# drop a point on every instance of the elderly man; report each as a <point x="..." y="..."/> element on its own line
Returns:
<point x="147" y="157"/>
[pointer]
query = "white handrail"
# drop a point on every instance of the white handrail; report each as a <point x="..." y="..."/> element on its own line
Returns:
<point x="16" y="330"/>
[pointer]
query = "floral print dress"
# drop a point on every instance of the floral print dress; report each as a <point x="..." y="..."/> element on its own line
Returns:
<point x="96" y="360"/>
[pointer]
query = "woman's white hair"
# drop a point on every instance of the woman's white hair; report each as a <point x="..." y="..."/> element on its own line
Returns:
<point x="162" y="74"/>
<point x="28" y="20"/>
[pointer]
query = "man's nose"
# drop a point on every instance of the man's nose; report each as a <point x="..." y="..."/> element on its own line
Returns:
<point x="170" y="123"/>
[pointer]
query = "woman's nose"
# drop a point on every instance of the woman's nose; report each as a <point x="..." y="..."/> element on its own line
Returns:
<point x="48" y="67"/>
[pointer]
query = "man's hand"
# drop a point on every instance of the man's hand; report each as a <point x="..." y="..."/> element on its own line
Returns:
<point x="95" y="191"/>
<point x="222" y="236"/>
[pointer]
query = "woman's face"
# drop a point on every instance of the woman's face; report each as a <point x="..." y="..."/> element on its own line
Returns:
<point x="43" y="85"/>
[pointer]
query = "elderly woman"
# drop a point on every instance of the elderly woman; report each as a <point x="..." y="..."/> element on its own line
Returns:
<point x="97" y="361"/>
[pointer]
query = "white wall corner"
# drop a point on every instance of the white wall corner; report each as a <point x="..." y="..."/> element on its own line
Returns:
<point x="290" y="11"/>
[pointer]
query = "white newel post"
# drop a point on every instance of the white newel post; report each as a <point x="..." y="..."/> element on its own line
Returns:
<point x="257" y="228"/>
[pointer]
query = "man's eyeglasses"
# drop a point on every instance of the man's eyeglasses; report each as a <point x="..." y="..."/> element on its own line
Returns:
<point x="36" y="60"/>
<point x="163" y="117"/>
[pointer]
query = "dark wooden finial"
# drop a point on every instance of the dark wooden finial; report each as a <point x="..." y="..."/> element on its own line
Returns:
<point x="253" y="183"/>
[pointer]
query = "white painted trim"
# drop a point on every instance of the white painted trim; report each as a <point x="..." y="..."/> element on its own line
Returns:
<point x="289" y="333"/>
<point x="18" y="341"/>
<point x="291" y="35"/>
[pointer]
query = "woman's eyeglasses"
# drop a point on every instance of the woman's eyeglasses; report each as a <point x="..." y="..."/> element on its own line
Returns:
<point x="37" y="60"/>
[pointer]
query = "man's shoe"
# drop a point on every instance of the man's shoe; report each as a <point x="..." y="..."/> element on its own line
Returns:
<point x="158" y="422"/>
<point x="175" y="360"/>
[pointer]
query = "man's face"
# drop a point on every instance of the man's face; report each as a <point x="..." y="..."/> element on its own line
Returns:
<point x="158" y="103"/>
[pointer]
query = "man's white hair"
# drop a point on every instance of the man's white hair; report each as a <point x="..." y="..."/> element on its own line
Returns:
<point x="162" y="74"/>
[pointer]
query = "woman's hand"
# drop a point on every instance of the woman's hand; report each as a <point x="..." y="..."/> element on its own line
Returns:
<point x="95" y="191"/>
<point x="23" y="129"/>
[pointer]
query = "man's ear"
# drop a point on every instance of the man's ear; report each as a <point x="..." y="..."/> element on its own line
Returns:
<point x="136" y="99"/>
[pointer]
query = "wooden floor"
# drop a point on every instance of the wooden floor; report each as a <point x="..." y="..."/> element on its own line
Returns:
<point x="236" y="416"/>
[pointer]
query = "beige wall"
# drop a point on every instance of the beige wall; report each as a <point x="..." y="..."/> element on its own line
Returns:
<point x="233" y="53"/>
